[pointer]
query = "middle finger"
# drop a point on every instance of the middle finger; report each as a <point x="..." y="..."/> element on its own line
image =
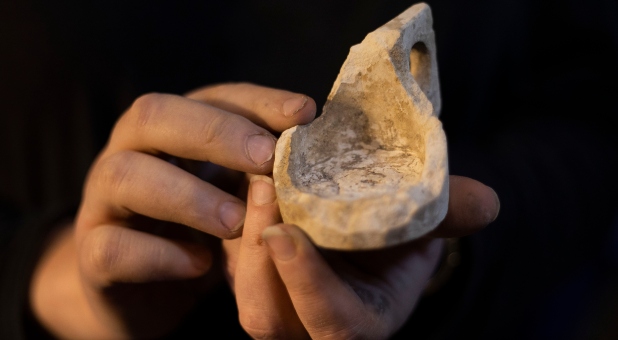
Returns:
<point x="130" y="182"/>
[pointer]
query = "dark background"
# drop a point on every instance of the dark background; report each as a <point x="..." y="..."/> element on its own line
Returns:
<point x="529" y="93"/>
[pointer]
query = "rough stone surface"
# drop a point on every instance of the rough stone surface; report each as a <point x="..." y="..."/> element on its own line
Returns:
<point x="372" y="170"/>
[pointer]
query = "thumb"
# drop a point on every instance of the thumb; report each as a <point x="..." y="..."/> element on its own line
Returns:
<point x="326" y="305"/>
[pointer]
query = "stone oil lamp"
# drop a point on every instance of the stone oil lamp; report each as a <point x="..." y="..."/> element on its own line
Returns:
<point x="372" y="170"/>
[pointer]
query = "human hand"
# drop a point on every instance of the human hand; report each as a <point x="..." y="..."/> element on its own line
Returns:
<point x="140" y="251"/>
<point x="285" y="287"/>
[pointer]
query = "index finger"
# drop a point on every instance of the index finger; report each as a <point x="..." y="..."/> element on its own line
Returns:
<point x="270" y="108"/>
<point x="177" y="126"/>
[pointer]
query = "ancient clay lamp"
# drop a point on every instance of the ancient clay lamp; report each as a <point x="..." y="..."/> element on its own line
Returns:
<point x="372" y="170"/>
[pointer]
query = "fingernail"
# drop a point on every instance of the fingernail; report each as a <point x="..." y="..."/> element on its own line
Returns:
<point x="260" y="148"/>
<point x="262" y="190"/>
<point x="293" y="105"/>
<point x="280" y="243"/>
<point x="201" y="258"/>
<point x="232" y="215"/>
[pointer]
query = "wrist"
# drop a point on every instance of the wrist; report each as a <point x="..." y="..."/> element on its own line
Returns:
<point x="57" y="299"/>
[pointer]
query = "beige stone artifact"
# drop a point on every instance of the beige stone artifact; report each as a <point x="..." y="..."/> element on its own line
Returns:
<point x="372" y="170"/>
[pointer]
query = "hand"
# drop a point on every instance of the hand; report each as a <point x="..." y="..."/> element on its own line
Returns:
<point x="140" y="253"/>
<point x="287" y="288"/>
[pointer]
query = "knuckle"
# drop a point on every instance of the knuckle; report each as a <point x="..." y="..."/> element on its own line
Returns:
<point x="140" y="115"/>
<point x="113" y="172"/>
<point x="191" y="200"/>
<point x="145" y="108"/>
<point x="104" y="252"/>
<point x="214" y="129"/>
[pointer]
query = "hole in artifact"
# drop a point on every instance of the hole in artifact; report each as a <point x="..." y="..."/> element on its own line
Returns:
<point x="420" y="65"/>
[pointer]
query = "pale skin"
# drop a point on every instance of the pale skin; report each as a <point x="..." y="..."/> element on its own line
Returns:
<point x="143" y="246"/>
